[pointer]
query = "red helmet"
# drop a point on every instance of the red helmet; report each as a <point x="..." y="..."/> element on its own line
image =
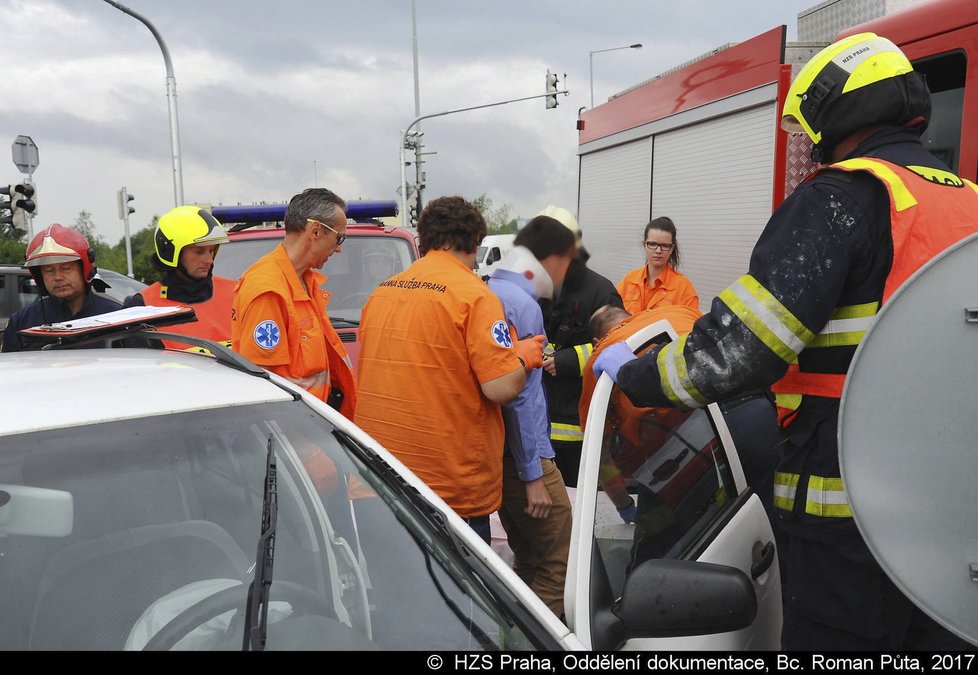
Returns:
<point x="59" y="244"/>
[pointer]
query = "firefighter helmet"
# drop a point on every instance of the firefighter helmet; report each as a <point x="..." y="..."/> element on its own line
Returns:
<point x="59" y="244"/>
<point x="185" y="226"/>
<point x="858" y="81"/>
<point x="564" y="217"/>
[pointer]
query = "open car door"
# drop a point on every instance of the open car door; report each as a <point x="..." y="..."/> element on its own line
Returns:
<point x="698" y="567"/>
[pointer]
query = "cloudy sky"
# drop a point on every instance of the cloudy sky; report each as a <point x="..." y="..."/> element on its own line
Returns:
<point x="278" y="95"/>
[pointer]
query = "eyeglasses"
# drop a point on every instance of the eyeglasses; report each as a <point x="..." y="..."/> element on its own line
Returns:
<point x="340" y="238"/>
<point x="652" y="245"/>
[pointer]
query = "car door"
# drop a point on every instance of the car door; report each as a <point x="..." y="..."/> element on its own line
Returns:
<point x="694" y="507"/>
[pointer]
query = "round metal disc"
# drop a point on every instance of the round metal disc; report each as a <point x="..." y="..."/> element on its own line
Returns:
<point x="908" y="438"/>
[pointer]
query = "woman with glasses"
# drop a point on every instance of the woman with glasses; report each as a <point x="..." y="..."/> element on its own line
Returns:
<point x="657" y="283"/>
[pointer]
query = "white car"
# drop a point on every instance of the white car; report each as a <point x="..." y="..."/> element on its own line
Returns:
<point x="157" y="499"/>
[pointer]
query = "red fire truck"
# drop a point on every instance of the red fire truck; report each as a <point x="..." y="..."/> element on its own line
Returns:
<point x="702" y="143"/>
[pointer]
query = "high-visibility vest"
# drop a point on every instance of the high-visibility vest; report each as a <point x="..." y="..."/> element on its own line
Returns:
<point x="213" y="315"/>
<point x="925" y="218"/>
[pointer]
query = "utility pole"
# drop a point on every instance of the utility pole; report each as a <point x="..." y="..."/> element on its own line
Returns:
<point x="407" y="144"/>
<point x="171" y="96"/>
<point x="418" y="173"/>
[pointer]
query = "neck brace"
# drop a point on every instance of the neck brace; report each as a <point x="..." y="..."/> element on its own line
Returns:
<point x="521" y="261"/>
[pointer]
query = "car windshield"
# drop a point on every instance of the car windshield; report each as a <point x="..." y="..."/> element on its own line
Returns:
<point x="363" y="262"/>
<point x="143" y="533"/>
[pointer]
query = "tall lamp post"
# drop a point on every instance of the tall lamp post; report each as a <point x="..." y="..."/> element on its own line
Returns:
<point x="591" y="62"/>
<point x="171" y="95"/>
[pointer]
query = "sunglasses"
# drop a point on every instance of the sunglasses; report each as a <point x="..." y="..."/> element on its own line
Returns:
<point x="340" y="238"/>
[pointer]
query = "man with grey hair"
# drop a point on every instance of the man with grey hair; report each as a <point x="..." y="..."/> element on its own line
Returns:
<point x="278" y="315"/>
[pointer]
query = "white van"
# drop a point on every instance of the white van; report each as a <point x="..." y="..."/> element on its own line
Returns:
<point x="491" y="251"/>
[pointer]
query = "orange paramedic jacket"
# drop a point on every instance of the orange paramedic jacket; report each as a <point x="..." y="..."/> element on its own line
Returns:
<point x="280" y="323"/>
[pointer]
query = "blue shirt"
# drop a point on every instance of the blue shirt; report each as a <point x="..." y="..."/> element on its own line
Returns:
<point x="527" y="423"/>
<point x="49" y="309"/>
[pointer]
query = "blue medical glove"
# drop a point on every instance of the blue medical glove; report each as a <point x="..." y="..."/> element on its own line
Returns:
<point x="611" y="359"/>
<point x="628" y="513"/>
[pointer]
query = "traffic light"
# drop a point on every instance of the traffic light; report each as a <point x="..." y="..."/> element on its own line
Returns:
<point x="22" y="203"/>
<point x="551" y="90"/>
<point x="124" y="208"/>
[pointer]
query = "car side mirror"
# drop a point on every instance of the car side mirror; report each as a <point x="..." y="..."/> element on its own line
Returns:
<point x="671" y="598"/>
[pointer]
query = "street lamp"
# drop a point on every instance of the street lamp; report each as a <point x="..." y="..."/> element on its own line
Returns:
<point x="591" y="62"/>
<point x="171" y="95"/>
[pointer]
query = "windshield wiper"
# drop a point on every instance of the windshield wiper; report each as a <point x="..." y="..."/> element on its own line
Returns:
<point x="256" y="610"/>
<point x="352" y="322"/>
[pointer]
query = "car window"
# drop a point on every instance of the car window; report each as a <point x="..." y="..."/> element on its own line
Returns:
<point x="363" y="263"/>
<point x="120" y="285"/>
<point x="672" y="466"/>
<point x="144" y="532"/>
<point x="945" y="79"/>
<point x="27" y="290"/>
<point x="234" y="258"/>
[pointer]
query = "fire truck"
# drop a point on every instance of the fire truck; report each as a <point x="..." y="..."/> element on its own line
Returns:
<point x="702" y="144"/>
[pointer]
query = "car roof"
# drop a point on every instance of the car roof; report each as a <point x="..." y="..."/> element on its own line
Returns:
<point x="68" y="388"/>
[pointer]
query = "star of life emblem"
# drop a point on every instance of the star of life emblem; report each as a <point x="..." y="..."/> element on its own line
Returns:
<point x="267" y="335"/>
<point x="500" y="334"/>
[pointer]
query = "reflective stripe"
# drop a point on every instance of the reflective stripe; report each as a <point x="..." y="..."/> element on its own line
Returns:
<point x="565" y="432"/>
<point x="971" y="185"/>
<point x="826" y="497"/>
<point x="902" y="198"/>
<point x="583" y="354"/>
<point x="788" y="401"/>
<point x="319" y="379"/>
<point x="674" y="376"/>
<point x="855" y="311"/>
<point x="785" y="488"/>
<point x="767" y="318"/>
<point x="842" y="333"/>
<point x="847" y="326"/>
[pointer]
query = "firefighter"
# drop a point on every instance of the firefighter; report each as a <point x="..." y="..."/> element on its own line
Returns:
<point x="185" y="245"/>
<point x="829" y="257"/>
<point x="63" y="266"/>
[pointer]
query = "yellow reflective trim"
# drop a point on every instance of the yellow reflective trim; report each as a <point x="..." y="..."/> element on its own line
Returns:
<point x="855" y="311"/>
<point x="583" y="353"/>
<point x="971" y="185"/>
<point x="902" y="198"/>
<point x="565" y="432"/>
<point x="674" y="376"/>
<point x="767" y="318"/>
<point x="665" y="356"/>
<point x="850" y="339"/>
<point x="827" y="497"/>
<point x="785" y="487"/>
<point x="937" y="176"/>
<point x="788" y="401"/>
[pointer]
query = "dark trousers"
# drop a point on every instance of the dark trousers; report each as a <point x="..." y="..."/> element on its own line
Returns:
<point x="568" y="459"/>
<point x="840" y="599"/>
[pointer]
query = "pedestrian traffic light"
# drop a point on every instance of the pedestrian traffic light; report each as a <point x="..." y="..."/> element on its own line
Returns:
<point x="551" y="90"/>
<point x="124" y="208"/>
<point x="22" y="203"/>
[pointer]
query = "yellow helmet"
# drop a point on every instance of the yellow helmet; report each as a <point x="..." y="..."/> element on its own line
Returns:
<point x="185" y="226"/>
<point x="860" y="80"/>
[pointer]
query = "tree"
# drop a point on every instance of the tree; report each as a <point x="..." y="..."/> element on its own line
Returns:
<point x="12" y="251"/>
<point x="497" y="217"/>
